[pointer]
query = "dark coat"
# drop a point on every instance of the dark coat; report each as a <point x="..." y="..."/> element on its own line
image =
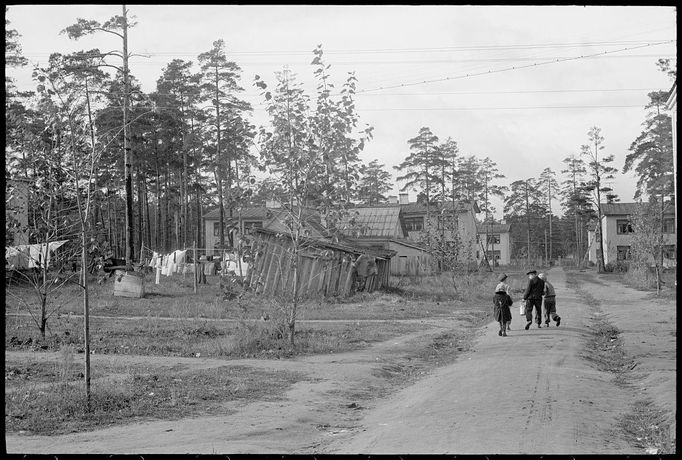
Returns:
<point x="535" y="289"/>
<point x="502" y="301"/>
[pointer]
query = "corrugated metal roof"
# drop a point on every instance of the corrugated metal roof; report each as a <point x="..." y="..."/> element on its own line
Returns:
<point x="495" y="228"/>
<point x="381" y="221"/>
<point x="420" y="208"/>
<point x="622" y="209"/>
<point x="314" y="242"/>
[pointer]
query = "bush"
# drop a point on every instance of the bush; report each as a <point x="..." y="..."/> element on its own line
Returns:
<point x="640" y="277"/>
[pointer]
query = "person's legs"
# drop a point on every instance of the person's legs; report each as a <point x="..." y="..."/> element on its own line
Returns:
<point x="501" y="328"/>
<point x="551" y="311"/>
<point x="529" y="313"/>
<point x="538" y="311"/>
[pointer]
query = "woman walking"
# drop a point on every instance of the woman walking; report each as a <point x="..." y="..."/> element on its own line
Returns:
<point x="502" y="301"/>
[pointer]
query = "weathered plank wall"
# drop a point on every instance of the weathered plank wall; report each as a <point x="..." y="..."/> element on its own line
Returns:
<point x="322" y="271"/>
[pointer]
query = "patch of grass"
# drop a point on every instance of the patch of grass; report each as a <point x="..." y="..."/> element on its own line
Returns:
<point x="270" y="340"/>
<point x="61" y="408"/>
<point x="604" y="348"/>
<point x="189" y="337"/>
<point x="647" y="427"/>
<point x="474" y="286"/>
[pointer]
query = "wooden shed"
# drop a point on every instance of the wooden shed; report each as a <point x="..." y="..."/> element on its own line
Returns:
<point x="326" y="269"/>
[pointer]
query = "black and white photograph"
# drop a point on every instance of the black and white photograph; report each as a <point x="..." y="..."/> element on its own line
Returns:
<point x="340" y="229"/>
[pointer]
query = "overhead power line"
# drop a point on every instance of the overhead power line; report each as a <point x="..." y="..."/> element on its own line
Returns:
<point x="402" y="50"/>
<point x="396" y="109"/>
<point x="507" y="69"/>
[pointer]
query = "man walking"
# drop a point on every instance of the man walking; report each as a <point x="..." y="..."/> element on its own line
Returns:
<point x="550" y="301"/>
<point x="533" y="298"/>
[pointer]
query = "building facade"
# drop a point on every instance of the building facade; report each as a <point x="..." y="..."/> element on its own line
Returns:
<point x="499" y="243"/>
<point x="618" y="235"/>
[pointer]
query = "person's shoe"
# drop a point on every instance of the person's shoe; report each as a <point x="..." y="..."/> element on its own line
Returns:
<point x="558" y="321"/>
<point x="528" y="325"/>
<point x="499" y="332"/>
<point x="547" y="324"/>
<point x="539" y="326"/>
<point x="504" y="334"/>
<point x="508" y="327"/>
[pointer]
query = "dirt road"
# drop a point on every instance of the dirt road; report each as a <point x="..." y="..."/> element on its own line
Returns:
<point x="528" y="393"/>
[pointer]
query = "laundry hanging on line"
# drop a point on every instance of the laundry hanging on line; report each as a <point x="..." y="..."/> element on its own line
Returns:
<point x="31" y="255"/>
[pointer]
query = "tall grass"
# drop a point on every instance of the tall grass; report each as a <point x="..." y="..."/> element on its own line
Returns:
<point x="448" y="285"/>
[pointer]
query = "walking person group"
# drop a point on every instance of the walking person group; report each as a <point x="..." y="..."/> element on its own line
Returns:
<point x="538" y="289"/>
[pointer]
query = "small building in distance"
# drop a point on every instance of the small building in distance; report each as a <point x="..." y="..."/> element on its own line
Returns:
<point x="269" y="217"/>
<point x="499" y="243"/>
<point x="618" y="234"/>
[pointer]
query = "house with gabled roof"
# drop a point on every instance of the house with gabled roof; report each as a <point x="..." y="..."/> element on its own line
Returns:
<point x="399" y="227"/>
<point x="252" y="217"/>
<point x="499" y="243"/>
<point x="380" y="227"/>
<point x="618" y="234"/>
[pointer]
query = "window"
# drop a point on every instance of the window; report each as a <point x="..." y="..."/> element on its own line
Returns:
<point x="414" y="224"/>
<point x="670" y="252"/>
<point x="216" y="228"/>
<point x="623" y="226"/>
<point x="494" y="256"/>
<point x="494" y="239"/>
<point x="253" y="224"/>
<point x="669" y="225"/>
<point x="622" y="252"/>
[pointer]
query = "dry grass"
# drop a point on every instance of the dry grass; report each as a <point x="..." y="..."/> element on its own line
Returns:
<point x="646" y="427"/>
<point x="61" y="407"/>
<point x="189" y="337"/>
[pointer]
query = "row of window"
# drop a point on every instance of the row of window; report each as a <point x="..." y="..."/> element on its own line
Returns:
<point x="247" y="224"/>
<point x="624" y="226"/>
<point x="493" y="238"/>
<point x="623" y="252"/>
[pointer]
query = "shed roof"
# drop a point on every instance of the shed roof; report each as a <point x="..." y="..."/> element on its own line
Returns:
<point x="378" y="221"/>
<point x="318" y="243"/>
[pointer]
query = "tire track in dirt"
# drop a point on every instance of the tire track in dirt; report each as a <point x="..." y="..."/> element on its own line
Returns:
<point x="528" y="393"/>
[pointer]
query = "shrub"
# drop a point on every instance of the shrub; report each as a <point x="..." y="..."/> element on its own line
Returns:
<point x="640" y="276"/>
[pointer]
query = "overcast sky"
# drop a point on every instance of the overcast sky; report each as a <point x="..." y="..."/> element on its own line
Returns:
<point x="524" y="119"/>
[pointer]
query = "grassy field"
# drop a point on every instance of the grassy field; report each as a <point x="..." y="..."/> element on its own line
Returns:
<point x="44" y="397"/>
<point x="127" y="395"/>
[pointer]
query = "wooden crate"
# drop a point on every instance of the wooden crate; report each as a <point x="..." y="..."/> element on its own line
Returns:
<point x="128" y="284"/>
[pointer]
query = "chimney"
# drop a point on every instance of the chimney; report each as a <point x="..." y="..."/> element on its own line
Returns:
<point x="392" y="199"/>
<point x="404" y="199"/>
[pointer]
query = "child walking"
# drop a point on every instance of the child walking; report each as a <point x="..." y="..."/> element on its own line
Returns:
<point x="502" y="301"/>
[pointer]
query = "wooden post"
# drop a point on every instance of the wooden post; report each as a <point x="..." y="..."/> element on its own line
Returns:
<point x="194" y="253"/>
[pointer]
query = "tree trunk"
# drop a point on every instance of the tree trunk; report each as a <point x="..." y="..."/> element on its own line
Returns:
<point x="527" y="221"/>
<point x="157" y="224"/>
<point x="127" y="152"/>
<point x="167" y="222"/>
<point x="140" y="235"/>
